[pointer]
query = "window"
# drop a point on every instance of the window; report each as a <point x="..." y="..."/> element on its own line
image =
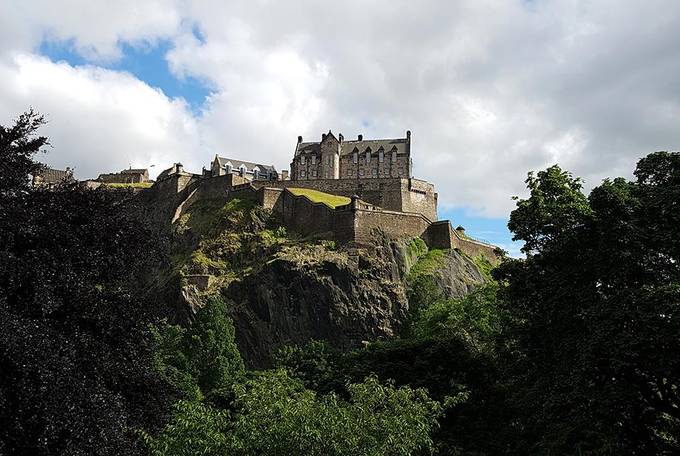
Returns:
<point x="302" y="159"/>
<point x="375" y="172"/>
<point x="313" y="173"/>
<point x="394" y="155"/>
<point x="361" y="172"/>
<point x="330" y="161"/>
<point x="302" y="173"/>
<point x="256" y="173"/>
<point x="381" y="155"/>
<point x="368" y="156"/>
<point x="355" y="157"/>
<point x="313" y="159"/>
<point x="228" y="167"/>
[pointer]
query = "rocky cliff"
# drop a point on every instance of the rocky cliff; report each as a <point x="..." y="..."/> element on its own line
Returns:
<point x="283" y="289"/>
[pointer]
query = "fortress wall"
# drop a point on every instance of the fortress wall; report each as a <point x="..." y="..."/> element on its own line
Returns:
<point x="419" y="196"/>
<point x="394" y="224"/>
<point x="441" y="235"/>
<point x="306" y="217"/>
<point x="218" y="186"/>
<point x="271" y="198"/>
<point x="389" y="193"/>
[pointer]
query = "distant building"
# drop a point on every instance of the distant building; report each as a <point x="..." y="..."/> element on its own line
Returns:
<point x="335" y="158"/>
<point x="248" y="170"/>
<point x="126" y="176"/>
<point x="50" y="177"/>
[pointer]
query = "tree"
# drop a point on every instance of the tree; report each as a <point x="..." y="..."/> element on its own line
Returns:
<point x="275" y="415"/>
<point x="77" y="374"/>
<point x="18" y="145"/>
<point x="595" y="308"/>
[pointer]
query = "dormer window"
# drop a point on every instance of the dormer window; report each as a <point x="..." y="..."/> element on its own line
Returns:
<point x="313" y="159"/>
<point x="355" y="156"/>
<point x="381" y="155"/>
<point x="242" y="170"/>
<point x="368" y="155"/>
<point x="302" y="159"/>
<point x="256" y="173"/>
<point x="228" y="167"/>
<point x="394" y="155"/>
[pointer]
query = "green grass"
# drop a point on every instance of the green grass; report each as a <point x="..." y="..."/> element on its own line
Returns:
<point x="428" y="263"/>
<point x="129" y="185"/>
<point x="316" y="196"/>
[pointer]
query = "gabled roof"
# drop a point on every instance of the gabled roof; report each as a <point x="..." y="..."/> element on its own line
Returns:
<point x="347" y="147"/>
<point x="236" y="164"/>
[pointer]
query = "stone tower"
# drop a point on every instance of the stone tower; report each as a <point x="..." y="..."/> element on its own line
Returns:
<point x="330" y="156"/>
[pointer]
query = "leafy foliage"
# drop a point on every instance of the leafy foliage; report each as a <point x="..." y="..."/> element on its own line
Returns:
<point x="594" y="312"/>
<point x="275" y="415"/>
<point x="76" y="367"/>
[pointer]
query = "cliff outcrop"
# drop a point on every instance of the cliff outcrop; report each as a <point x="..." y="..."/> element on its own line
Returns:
<point x="286" y="289"/>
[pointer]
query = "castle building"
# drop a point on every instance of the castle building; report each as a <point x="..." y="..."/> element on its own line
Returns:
<point x="49" y="177"/>
<point x="126" y="176"/>
<point x="248" y="170"/>
<point x="335" y="158"/>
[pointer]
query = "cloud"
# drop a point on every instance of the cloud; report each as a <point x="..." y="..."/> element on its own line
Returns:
<point x="100" y="120"/>
<point x="490" y="88"/>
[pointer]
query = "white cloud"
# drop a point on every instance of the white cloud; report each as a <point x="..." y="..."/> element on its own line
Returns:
<point x="490" y="88"/>
<point x="100" y="120"/>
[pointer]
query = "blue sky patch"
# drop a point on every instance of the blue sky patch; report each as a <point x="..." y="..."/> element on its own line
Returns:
<point x="146" y="62"/>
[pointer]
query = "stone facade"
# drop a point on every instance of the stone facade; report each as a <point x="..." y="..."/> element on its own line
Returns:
<point x="335" y="158"/>
<point x="395" y="194"/>
<point x="126" y="176"/>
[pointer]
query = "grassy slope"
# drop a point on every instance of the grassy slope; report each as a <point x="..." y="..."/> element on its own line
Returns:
<point x="316" y="196"/>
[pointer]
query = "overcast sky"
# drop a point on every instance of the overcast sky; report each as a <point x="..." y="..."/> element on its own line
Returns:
<point x="490" y="89"/>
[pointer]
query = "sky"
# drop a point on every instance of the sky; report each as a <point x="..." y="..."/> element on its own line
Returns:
<point x="489" y="89"/>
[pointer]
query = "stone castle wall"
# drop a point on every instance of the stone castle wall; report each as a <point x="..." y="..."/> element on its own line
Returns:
<point x="402" y="195"/>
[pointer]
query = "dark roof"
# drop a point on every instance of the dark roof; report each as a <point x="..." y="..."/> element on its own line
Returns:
<point x="54" y="176"/>
<point x="236" y="164"/>
<point x="134" y="171"/>
<point x="347" y="147"/>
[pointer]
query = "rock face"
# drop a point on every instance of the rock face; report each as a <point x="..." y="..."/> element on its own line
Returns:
<point x="284" y="290"/>
<point x="458" y="275"/>
<point x="311" y="293"/>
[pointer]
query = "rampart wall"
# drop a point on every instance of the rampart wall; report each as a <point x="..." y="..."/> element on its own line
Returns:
<point x="402" y="195"/>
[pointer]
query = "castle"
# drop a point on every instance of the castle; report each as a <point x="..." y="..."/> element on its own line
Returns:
<point x="375" y="177"/>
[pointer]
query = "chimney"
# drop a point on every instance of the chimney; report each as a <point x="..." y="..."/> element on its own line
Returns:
<point x="408" y="135"/>
<point x="284" y="174"/>
<point x="323" y="136"/>
<point x="299" y="139"/>
<point x="340" y="137"/>
<point x="360" y="137"/>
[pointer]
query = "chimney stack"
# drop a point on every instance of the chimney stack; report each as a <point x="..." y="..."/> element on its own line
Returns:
<point x="299" y="139"/>
<point x="340" y="137"/>
<point x="360" y="137"/>
<point x="408" y="135"/>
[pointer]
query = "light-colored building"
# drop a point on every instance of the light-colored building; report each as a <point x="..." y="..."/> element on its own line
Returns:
<point x="248" y="170"/>
<point x="335" y="158"/>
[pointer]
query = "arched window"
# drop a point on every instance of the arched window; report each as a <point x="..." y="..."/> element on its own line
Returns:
<point x="355" y="156"/>
<point x="394" y="155"/>
<point x="381" y="155"/>
<point x="313" y="159"/>
<point x="242" y="169"/>
<point x="368" y="155"/>
<point x="302" y="159"/>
